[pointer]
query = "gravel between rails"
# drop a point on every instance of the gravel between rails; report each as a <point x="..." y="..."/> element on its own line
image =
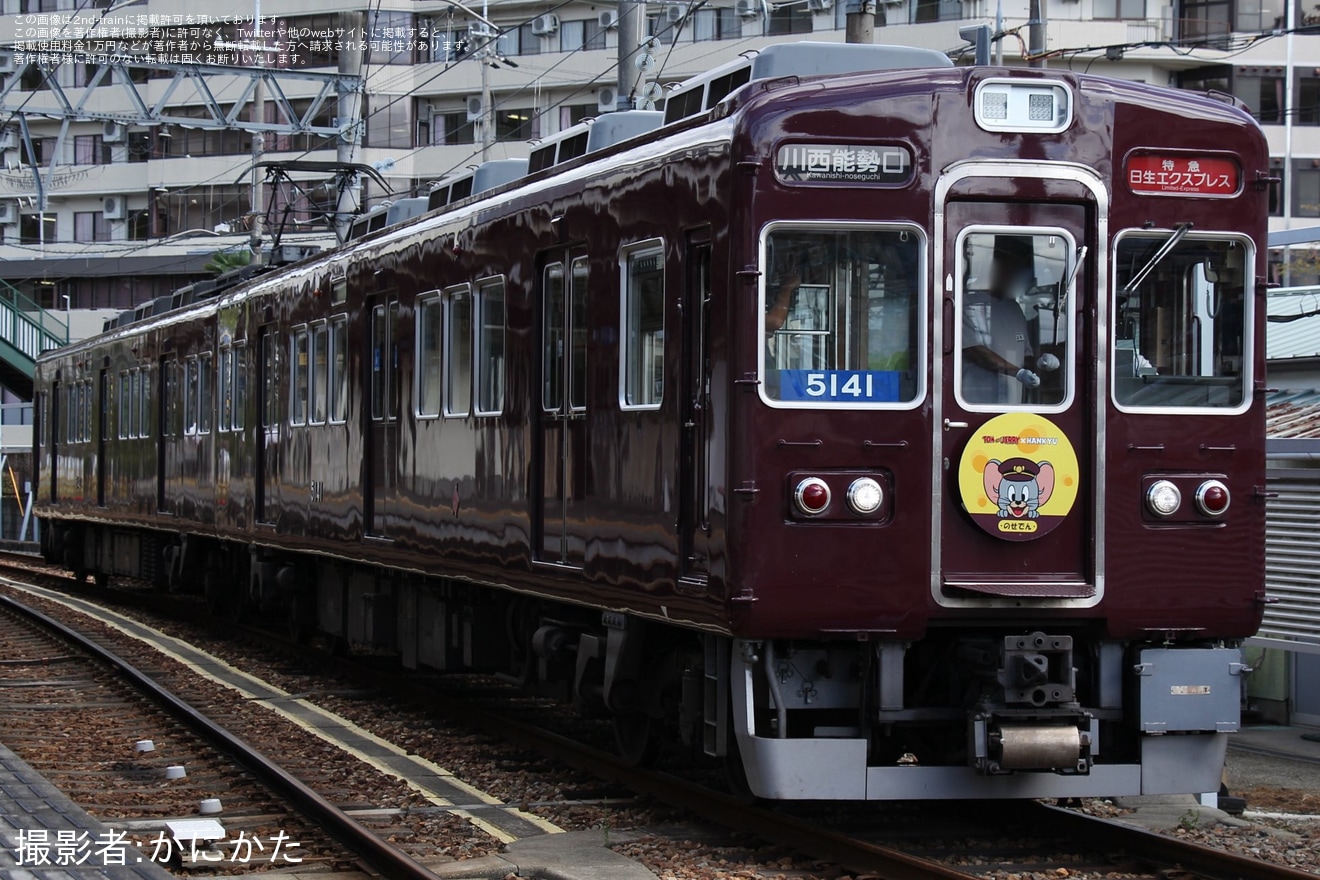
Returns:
<point x="652" y="833"/>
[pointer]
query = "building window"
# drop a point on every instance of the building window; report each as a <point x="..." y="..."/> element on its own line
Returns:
<point x="393" y="36"/>
<point x="936" y="10"/>
<point x="90" y="149"/>
<point x="490" y="347"/>
<point x="450" y="129"/>
<point x="428" y="356"/>
<point x="389" y="121"/>
<point x="1262" y="91"/>
<point x="520" y="41"/>
<point x="1306" y="99"/>
<point x="516" y="125"/>
<point x="1260" y="15"/>
<point x="1119" y="9"/>
<point x="1203" y="19"/>
<point x="1306" y="188"/>
<point x="458" y="351"/>
<point x="790" y="19"/>
<point x="643" y="332"/>
<point x="36" y="228"/>
<point x="90" y="226"/>
<point x="574" y="113"/>
<point x="583" y="33"/>
<point x="718" y="24"/>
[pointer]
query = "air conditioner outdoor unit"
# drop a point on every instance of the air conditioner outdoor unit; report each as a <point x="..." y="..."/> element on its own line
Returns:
<point x="609" y="20"/>
<point x="114" y="207"/>
<point x="8" y="213"/>
<point x="113" y="132"/>
<point x="544" y="25"/>
<point x="820" y="5"/>
<point x="7" y="63"/>
<point x="475" y="110"/>
<point x="9" y="139"/>
<point x="748" y="8"/>
<point x="425" y="113"/>
<point x="607" y="100"/>
<point x="674" y="14"/>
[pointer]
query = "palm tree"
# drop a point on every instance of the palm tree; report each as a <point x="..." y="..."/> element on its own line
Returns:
<point x="226" y="261"/>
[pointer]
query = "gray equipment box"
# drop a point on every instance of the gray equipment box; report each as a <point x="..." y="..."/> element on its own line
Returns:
<point x="1190" y="689"/>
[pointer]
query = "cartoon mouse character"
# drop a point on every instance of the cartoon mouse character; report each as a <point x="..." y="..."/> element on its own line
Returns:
<point x="1019" y="486"/>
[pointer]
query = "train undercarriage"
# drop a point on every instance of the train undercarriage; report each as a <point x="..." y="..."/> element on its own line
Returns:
<point x="1036" y="710"/>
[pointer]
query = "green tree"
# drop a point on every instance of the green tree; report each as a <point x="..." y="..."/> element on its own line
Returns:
<point x="224" y="261"/>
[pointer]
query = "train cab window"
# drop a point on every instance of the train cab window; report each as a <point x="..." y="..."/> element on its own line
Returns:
<point x="320" y="367"/>
<point x="1182" y="321"/>
<point x="428" y="356"/>
<point x="299" y="377"/>
<point x="642" y="372"/>
<point x="577" y="327"/>
<point x="338" y="369"/>
<point x="841" y="315"/>
<point x="205" y="406"/>
<point x="190" y="383"/>
<point x="1014" y="330"/>
<point x="458" y="351"/>
<point x="490" y="347"/>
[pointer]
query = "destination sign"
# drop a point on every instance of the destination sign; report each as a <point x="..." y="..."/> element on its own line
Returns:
<point x="1173" y="175"/>
<point x="844" y="163"/>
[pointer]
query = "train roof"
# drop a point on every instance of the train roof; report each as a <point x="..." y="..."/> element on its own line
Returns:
<point x="591" y="135"/>
<point x="486" y="176"/>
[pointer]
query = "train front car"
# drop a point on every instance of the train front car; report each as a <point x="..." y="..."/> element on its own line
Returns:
<point x="996" y="522"/>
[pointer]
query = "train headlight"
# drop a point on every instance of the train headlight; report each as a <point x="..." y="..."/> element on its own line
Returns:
<point x="865" y="496"/>
<point x="812" y="496"/>
<point x="1212" y="498"/>
<point x="1163" y="498"/>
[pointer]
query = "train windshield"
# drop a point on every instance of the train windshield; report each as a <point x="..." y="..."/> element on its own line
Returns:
<point x="1014" y="329"/>
<point x="1180" y="321"/>
<point x="841" y="309"/>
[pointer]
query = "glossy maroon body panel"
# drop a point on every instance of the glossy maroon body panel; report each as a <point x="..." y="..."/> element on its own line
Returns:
<point x="647" y="530"/>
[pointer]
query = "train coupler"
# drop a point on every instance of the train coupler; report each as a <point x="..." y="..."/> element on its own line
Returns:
<point x="1008" y="742"/>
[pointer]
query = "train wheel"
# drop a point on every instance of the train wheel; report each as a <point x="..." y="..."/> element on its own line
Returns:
<point x="634" y="734"/>
<point x="101" y="579"/>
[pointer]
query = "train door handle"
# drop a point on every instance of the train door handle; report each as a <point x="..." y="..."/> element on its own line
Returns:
<point x="948" y="326"/>
<point x="949" y="425"/>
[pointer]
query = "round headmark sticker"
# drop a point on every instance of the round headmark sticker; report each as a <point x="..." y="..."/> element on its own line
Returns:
<point x="1018" y="476"/>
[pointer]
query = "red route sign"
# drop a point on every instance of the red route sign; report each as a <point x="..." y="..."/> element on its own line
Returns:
<point x="1183" y="175"/>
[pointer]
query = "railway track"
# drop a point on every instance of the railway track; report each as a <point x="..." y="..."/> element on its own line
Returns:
<point x="97" y="694"/>
<point x="1094" y="842"/>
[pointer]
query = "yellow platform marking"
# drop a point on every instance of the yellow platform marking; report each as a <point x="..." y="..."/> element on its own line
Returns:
<point x="162" y="644"/>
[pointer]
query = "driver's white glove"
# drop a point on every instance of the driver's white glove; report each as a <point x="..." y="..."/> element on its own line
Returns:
<point x="1047" y="363"/>
<point x="1028" y="378"/>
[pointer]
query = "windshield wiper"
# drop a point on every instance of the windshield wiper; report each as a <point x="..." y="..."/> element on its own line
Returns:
<point x="1179" y="233"/>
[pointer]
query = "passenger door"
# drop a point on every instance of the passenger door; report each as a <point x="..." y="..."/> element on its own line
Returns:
<point x="1015" y="428"/>
<point x="382" y="416"/>
<point x="561" y="433"/>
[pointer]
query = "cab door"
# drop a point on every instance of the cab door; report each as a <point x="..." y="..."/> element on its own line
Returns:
<point x="1015" y="427"/>
<point x="562" y="409"/>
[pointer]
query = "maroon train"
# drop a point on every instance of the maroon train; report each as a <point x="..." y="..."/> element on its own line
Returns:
<point x="892" y="429"/>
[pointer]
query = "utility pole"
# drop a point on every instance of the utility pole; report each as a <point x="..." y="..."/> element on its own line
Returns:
<point x="631" y="22"/>
<point x="258" y="138"/>
<point x="350" y="108"/>
<point x="1036" y="36"/>
<point x="860" y="26"/>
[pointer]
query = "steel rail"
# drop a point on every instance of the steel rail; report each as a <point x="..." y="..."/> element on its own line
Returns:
<point x="1168" y="852"/>
<point x="376" y="852"/>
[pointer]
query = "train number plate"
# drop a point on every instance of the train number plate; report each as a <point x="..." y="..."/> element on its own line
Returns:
<point x="856" y="386"/>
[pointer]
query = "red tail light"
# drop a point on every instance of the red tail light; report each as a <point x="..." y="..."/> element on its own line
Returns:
<point x="812" y="496"/>
<point x="1213" y="498"/>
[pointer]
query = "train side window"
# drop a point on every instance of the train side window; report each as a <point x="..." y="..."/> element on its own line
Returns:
<point x="299" y="377"/>
<point x="123" y="405"/>
<point x="134" y="396"/>
<point x="225" y="388"/>
<point x="190" y="396"/>
<point x="552" y="345"/>
<point x="428" y="355"/>
<point x="319" y="369"/>
<point x="458" y="351"/>
<point x="490" y="347"/>
<point x="1182" y="321"/>
<point x="238" y="415"/>
<point x="642" y="370"/>
<point x="1014" y="333"/>
<point x="577" y="326"/>
<point x="144" y="404"/>
<point x="205" y="406"/>
<point x="338" y="369"/>
<point x="841" y="316"/>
